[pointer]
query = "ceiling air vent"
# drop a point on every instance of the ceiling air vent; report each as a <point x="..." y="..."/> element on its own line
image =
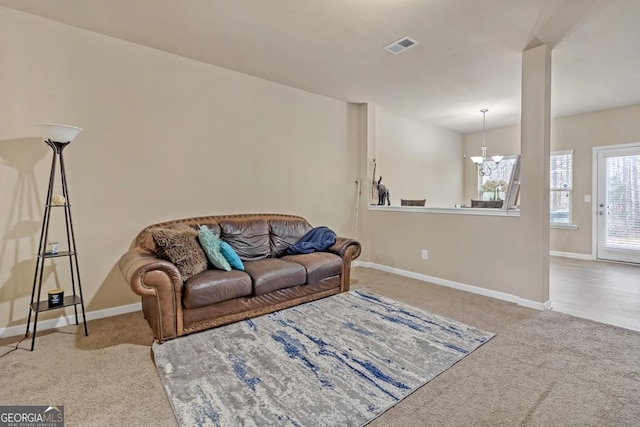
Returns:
<point x="401" y="45"/>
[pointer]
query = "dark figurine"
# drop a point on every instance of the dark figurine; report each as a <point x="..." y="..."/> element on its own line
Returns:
<point x="383" y="194"/>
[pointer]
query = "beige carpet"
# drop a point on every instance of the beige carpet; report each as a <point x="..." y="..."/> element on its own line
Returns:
<point x="542" y="368"/>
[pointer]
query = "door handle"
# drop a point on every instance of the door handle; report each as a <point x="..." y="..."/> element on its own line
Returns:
<point x="601" y="205"/>
<point x="600" y="213"/>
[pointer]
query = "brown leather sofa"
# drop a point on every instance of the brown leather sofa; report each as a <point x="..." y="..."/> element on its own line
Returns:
<point x="271" y="281"/>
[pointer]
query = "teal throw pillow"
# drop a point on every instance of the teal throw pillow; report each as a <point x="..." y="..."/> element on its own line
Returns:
<point x="210" y="243"/>
<point x="231" y="256"/>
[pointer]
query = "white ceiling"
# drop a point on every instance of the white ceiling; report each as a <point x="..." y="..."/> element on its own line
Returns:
<point x="469" y="56"/>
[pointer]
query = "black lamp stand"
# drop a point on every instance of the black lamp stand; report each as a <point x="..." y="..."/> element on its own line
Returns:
<point x="37" y="305"/>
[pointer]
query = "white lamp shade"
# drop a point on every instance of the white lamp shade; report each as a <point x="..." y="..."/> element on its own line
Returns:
<point x="57" y="132"/>
<point x="497" y="159"/>
<point x="476" y="159"/>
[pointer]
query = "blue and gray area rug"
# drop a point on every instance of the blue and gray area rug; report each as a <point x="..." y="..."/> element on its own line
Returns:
<point x="339" y="361"/>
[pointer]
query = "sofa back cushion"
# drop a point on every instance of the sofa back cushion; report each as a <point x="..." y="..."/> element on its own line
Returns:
<point x="248" y="237"/>
<point x="286" y="232"/>
<point x="252" y="236"/>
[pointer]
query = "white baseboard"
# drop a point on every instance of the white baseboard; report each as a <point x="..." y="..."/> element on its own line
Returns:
<point x="69" y="319"/>
<point x="43" y="325"/>
<point x="460" y="286"/>
<point x="573" y="255"/>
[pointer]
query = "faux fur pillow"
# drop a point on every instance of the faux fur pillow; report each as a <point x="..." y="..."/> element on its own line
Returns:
<point x="180" y="246"/>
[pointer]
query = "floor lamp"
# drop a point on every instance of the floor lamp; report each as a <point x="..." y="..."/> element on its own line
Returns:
<point x="57" y="137"/>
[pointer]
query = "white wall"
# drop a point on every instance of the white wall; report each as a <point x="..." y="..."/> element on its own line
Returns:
<point x="165" y="137"/>
<point x="418" y="160"/>
<point x="579" y="133"/>
<point x="499" y="254"/>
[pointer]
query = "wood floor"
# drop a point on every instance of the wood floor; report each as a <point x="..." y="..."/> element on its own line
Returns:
<point x="607" y="292"/>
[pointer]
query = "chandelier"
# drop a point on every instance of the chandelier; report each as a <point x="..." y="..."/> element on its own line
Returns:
<point x="485" y="165"/>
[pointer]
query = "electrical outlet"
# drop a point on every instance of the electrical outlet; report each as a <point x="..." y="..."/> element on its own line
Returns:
<point x="425" y="254"/>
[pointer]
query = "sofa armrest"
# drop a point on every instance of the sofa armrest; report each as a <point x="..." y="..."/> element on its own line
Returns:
<point x="343" y="244"/>
<point x="348" y="250"/>
<point x="159" y="283"/>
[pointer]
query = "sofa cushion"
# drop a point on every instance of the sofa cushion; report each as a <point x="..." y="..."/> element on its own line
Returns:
<point x="248" y="237"/>
<point x="286" y="232"/>
<point x="319" y="265"/>
<point x="213" y="286"/>
<point x="179" y="246"/>
<point x="272" y="274"/>
<point x="231" y="256"/>
<point x="210" y="243"/>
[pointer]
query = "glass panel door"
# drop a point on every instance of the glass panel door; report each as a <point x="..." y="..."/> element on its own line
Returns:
<point x="618" y="204"/>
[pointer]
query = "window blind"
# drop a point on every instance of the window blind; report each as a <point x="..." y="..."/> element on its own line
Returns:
<point x="561" y="187"/>
<point x="623" y="202"/>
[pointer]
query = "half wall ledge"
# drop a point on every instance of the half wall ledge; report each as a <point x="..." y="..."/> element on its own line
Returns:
<point x="514" y="213"/>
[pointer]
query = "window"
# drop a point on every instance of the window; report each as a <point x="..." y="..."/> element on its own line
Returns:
<point x="561" y="186"/>
<point x="494" y="186"/>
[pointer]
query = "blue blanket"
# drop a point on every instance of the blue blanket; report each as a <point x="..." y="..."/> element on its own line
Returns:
<point x="316" y="239"/>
